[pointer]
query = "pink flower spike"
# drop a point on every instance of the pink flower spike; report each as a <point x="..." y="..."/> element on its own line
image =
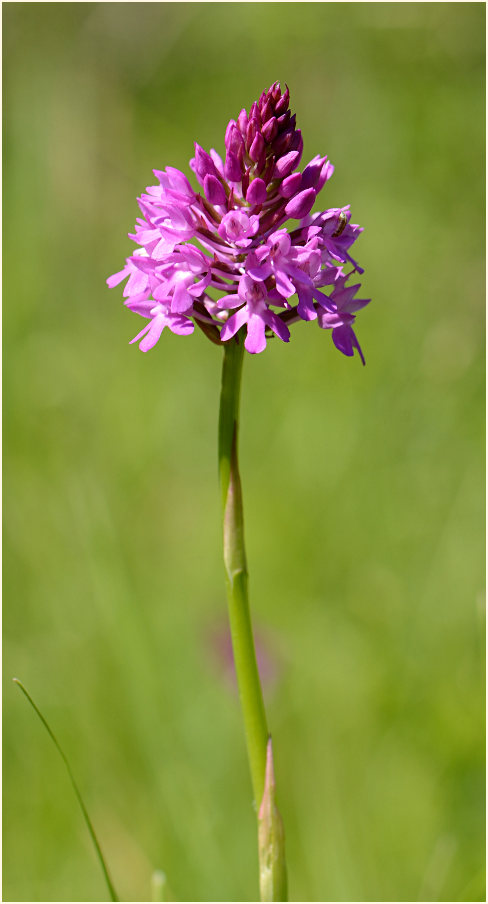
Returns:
<point x="231" y="255"/>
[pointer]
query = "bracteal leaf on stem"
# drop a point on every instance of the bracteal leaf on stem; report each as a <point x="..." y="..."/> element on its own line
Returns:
<point x="271" y="840"/>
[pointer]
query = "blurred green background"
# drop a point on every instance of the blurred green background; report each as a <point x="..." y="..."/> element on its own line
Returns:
<point x="363" y="487"/>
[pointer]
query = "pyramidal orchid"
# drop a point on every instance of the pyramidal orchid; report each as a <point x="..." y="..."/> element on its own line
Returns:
<point x="242" y="249"/>
<point x="244" y="257"/>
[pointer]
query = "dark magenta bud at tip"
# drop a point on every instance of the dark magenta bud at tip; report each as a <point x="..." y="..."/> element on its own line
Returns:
<point x="296" y="143"/>
<point x="275" y="92"/>
<point x="285" y="165"/>
<point x="301" y="204"/>
<point x="245" y="183"/>
<point x="214" y="190"/>
<point x="251" y="132"/>
<point x="266" y="111"/>
<point x="283" y="121"/>
<point x="242" y="121"/>
<point x="228" y="131"/>
<point x="232" y="168"/>
<point x="282" y="142"/>
<point x="256" y="193"/>
<point x="234" y="142"/>
<point x="268" y="172"/>
<point x="204" y="165"/>
<point x="270" y="129"/>
<point x="282" y="103"/>
<point x="255" y="115"/>
<point x="261" y="163"/>
<point x="257" y="147"/>
<point x="291" y="185"/>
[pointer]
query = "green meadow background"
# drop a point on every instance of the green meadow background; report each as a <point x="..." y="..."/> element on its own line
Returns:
<point x="363" y="486"/>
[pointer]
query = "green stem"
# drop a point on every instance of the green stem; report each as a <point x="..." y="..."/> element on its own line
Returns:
<point x="271" y="848"/>
<point x="250" y="692"/>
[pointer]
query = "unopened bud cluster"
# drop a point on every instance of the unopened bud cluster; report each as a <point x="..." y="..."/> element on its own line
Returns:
<point x="227" y="258"/>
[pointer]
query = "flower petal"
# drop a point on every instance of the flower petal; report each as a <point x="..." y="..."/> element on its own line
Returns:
<point x="276" y="324"/>
<point x="182" y="300"/>
<point x="181" y="326"/>
<point x="117" y="278"/>
<point x="156" y="327"/>
<point x="136" y="283"/>
<point x="233" y="324"/>
<point x="255" y="339"/>
<point x="344" y="339"/>
<point x="229" y="301"/>
<point x="260" y="273"/>
<point x="305" y="308"/>
<point x="284" y="285"/>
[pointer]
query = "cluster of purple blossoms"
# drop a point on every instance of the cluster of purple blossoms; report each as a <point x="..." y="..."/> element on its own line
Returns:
<point x="226" y="258"/>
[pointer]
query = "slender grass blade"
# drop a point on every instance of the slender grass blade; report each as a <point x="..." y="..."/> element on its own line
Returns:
<point x="111" y="889"/>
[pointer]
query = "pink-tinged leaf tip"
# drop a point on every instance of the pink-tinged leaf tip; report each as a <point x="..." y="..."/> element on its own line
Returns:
<point x="271" y="839"/>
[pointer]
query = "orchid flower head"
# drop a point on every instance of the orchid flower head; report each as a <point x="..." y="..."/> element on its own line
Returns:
<point x="244" y="251"/>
